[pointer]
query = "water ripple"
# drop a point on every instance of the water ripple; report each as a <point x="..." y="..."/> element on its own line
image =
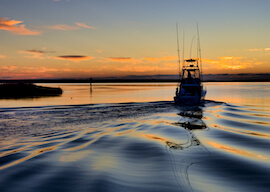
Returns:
<point x="135" y="147"/>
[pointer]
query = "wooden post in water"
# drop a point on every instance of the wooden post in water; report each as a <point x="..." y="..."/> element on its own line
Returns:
<point x="91" y="88"/>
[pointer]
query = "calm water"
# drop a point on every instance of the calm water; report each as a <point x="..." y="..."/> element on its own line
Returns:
<point x="131" y="137"/>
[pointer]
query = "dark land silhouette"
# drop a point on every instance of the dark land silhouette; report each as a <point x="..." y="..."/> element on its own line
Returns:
<point x="243" y="77"/>
<point x="26" y="90"/>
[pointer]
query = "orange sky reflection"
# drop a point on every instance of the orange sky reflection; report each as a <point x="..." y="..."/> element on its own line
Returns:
<point x="236" y="151"/>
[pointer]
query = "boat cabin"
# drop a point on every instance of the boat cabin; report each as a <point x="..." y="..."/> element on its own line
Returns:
<point x="190" y="88"/>
<point x="190" y="72"/>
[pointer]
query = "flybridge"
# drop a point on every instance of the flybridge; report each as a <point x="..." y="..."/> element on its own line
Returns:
<point x="191" y="64"/>
<point x="191" y="60"/>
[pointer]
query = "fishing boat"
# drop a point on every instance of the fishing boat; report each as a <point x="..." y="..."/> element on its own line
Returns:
<point x="190" y="90"/>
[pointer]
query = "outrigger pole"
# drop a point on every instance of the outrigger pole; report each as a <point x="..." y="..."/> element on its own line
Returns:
<point x="199" y="50"/>
<point x="178" y="51"/>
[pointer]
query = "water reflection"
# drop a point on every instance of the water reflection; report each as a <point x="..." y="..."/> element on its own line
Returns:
<point x="153" y="146"/>
<point x="190" y="120"/>
<point x="237" y="151"/>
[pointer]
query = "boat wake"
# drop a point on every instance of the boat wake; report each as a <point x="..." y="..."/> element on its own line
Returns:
<point x="154" y="146"/>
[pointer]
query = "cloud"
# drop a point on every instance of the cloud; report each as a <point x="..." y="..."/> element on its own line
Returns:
<point x="146" y="68"/>
<point x="36" y="72"/>
<point x="9" y="68"/>
<point x="65" y="27"/>
<point x="227" y="58"/>
<point x="145" y="60"/>
<point x="138" y="68"/>
<point x="35" y="54"/>
<point x="38" y="51"/>
<point x="74" y="58"/>
<point x="160" y="59"/>
<point x="148" y="65"/>
<point x="227" y="63"/>
<point x="83" y="25"/>
<point x="2" y="56"/>
<point x="39" y="69"/>
<point x="233" y="63"/>
<point x="16" y="27"/>
<point x="171" y="64"/>
<point x="98" y="50"/>
<point x="40" y="54"/>
<point x="32" y="54"/>
<point x="120" y="58"/>
<point x="254" y="50"/>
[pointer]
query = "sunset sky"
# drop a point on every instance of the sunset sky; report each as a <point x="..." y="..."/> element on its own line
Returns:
<point x="105" y="38"/>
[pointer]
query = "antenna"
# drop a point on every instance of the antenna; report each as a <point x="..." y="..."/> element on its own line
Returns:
<point x="199" y="49"/>
<point x="178" y="48"/>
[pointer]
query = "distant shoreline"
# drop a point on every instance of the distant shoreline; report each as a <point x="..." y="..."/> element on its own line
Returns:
<point x="241" y="77"/>
<point x="120" y="81"/>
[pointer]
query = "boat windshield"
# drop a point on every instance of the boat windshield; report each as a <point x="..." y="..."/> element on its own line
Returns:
<point x="191" y="74"/>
